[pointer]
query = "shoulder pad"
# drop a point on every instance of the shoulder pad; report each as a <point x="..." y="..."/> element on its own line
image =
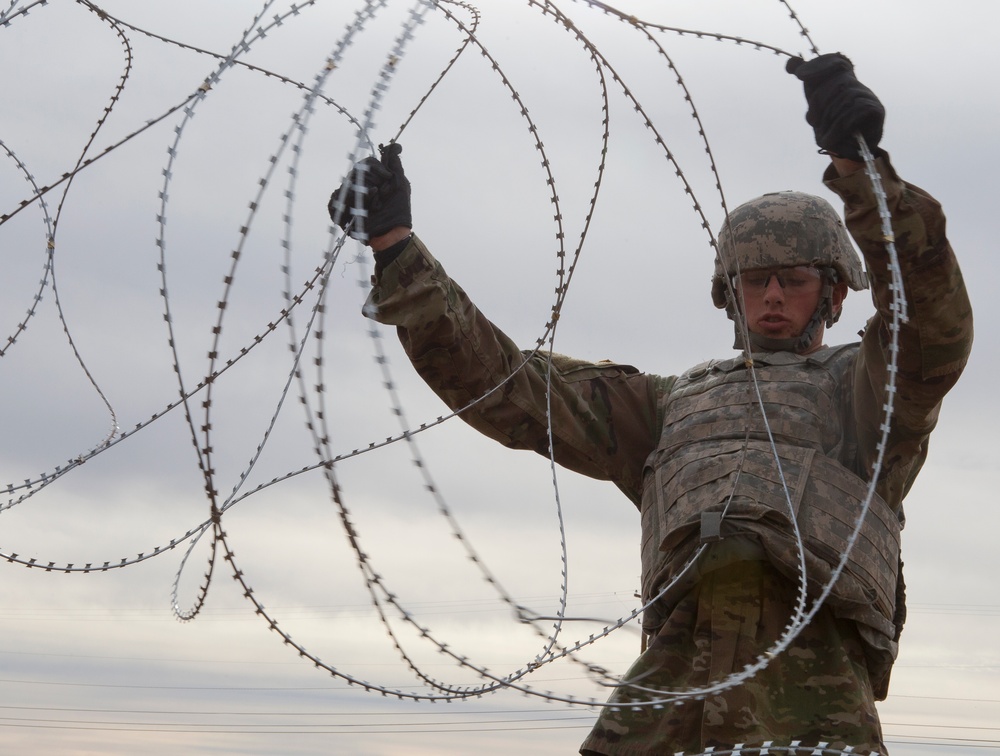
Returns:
<point x="834" y="353"/>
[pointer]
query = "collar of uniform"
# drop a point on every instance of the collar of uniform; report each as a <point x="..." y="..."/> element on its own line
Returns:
<point x="733" y="364"/>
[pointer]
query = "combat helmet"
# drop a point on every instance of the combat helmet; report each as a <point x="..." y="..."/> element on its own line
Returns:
<point x="784" y="229"/>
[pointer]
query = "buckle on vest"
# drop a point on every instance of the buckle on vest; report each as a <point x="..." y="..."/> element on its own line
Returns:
<point x="711" y="526"/>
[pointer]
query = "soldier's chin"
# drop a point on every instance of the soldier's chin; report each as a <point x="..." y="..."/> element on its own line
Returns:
<point x="776" y="330"/>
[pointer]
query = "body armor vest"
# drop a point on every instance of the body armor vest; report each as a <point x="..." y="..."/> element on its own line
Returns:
<point x="714" y="460"/>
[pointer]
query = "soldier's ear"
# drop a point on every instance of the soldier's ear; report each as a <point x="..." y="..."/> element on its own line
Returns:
<point x="837" y="296"/>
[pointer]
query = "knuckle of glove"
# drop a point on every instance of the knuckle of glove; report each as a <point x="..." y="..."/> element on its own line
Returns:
<point x="342" y="203"/>
<point x="822" y="67"/>
<point x="393" y="149"/>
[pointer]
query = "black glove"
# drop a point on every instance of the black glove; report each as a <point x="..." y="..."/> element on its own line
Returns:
<point x="387" y="199"/>
<point x="840" y="106"/>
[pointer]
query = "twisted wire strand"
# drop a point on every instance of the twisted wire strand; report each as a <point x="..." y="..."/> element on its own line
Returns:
<point x="738" y="678"/>
<point x="52" y="223"/>
<point x="102" y="119"/>
<point x="796" y="624"/>
<point x="795" y="748"/>
<point x="36" y="300"/>
<point x="292" y="137"/>
<point x="473" y="25"/>
<point x="84" y="163"/>
<point x="800" y="616"/>
<point x="898" y="307"/>
<point x="698" y="34"/>
<point x="335" y="489"/>
<point x="13" y="11"/>
<point x="735" y="682"/>
<point x="363" y="559"/>
<point x="203" y="454"/>
<point x="424" y="631"/>
<point x="372" y="579"/>
<point x="803" y="31"/>
<point x="327" y="463"/>
<point x="397" y="409"/>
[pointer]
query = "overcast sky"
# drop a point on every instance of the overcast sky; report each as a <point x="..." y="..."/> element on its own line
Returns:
<point x="97" y="663"/>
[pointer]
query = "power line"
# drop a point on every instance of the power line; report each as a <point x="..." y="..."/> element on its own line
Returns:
<point x="947" y="698"/>
<point x="910" y="740"/>
<point x="391" y="727"/>
<point x="154" y="728"/>
<point x="421" y="726"/>
<point x="463" y="606"/>
<point x="260" y="713"/>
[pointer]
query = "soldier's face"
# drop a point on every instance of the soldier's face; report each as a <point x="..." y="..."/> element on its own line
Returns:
<point x="780" y="302"/>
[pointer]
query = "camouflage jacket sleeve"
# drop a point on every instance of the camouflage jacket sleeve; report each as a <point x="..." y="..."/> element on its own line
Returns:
<point x="605" y="417"/>
<point x="933" y="345"/>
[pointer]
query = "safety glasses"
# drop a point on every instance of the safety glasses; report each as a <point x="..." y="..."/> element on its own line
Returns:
<point x="801" y="279"/>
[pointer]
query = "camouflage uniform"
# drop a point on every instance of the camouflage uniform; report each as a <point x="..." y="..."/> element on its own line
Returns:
<point x="677" y="452"/>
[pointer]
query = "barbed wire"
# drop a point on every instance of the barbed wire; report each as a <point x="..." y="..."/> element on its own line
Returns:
<point x="312" y="294"/>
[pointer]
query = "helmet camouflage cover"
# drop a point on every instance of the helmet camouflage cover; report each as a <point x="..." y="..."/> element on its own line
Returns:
<point x="784" y="229"/>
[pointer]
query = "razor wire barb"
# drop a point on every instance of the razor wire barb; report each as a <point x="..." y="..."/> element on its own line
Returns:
<point x="314" y="292"/>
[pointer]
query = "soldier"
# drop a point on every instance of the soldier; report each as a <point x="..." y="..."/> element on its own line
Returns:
<point x="718" y="488"/>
